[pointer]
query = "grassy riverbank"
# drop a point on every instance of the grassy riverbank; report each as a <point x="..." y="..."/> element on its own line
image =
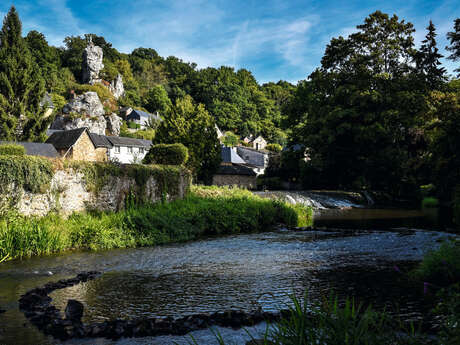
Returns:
<point x="206" y="211"/>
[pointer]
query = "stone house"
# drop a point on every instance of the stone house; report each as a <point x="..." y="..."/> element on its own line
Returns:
<point x="79" y="144"/>
<point x="233" y="171"/>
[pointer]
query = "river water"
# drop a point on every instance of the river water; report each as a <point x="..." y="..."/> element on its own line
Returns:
<point x="235" y="272"/>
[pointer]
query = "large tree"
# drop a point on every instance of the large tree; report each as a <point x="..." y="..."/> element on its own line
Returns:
<point x="356" y="112"/>
<point x="191" y="125"/>
<point x="21" y="86"/>
<point x="454" y="39"/>
<point x="428" y="63"/>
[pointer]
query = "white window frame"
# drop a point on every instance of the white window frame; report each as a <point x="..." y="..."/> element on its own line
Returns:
<point x="117" y="149"/>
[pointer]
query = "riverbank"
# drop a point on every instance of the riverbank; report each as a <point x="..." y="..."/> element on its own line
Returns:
<point x="206" y="211"/>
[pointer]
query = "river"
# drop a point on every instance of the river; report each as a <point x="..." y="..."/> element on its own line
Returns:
<point x="245" y="272"/>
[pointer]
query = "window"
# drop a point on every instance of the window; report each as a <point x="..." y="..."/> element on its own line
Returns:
<point x="117" y="149"/>
<point x="130" y="149"/>
<point x="141" y="150"/>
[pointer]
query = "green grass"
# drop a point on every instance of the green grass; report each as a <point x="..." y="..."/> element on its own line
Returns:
<point x="206" y="211"/>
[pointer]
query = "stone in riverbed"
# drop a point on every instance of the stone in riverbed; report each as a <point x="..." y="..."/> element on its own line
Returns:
<point x="74" y="310"/>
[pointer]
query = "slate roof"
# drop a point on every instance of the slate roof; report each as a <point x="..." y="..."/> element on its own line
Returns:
<point x="36" y="149"/>
<point x="142" y="115"/>
<point x="229" y="155"/>
<point x="124" y="141"/>
<point x="100" y="140"/>
<point x="65" y="139"/>
<point x="235" y="169"/>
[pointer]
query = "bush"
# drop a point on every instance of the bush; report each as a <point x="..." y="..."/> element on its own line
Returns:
<point x="274" y="147"/>
<point x="133" y="125"/>
<point x="168" y="154"/>
<point x="31" y="173"/>
<point x="441" y="267"/>
<point x="12" y="150"/>
<point x="430" y="202"/>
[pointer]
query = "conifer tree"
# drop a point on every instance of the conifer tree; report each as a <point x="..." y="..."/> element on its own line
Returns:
<point x="454" y="38"/>
<point x="428" y="60"/>
<point x="21" y="86"/>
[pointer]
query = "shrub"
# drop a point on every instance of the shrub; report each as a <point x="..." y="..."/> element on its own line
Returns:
<point x="31" y="173"/>
<point x="441" y="267"/>
<point x="133" y="125"/>
<point x="430" y="202"/>
<point x="12" y="150"/>
<point x="274" y="147"/>
<point x="168" y="154"/>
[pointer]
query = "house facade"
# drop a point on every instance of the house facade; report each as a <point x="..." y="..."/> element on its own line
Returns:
<point x="80" y="144"/>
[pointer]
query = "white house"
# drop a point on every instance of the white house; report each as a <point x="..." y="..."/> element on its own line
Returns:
<point x="127" y="150"/>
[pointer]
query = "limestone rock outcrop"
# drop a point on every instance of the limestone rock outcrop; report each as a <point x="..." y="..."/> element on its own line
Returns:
<point x="96" y="124"/>
<point x="92" y="64"/>
<point x="86" y="104"/>
<point x="116" y="87"/>
<point x="114" y="123"/>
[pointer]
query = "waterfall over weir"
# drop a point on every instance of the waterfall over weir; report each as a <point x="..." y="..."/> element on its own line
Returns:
<point x="320" y="200"/>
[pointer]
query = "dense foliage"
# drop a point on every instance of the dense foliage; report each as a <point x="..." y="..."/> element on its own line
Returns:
<point x="31" y="173"/>
<point x="12" y="149"/>
<point x="205" y="212"/>
<point x="169" y="154"/>
<point x="21" y="86"/>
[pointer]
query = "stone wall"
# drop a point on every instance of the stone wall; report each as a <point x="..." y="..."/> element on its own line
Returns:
<point x="69" y="192"/>
<point x="243" y="181"/>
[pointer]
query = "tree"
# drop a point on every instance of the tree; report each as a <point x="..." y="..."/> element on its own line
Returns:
<point x="454" y="38"/>
<point x="230" y="139"/>
<point x="21" y="86"/>
<point x="191" y="125"/>
<point x="356" y="112"/>
<point x="157" y="99"/>
<point x="428" y="63"/>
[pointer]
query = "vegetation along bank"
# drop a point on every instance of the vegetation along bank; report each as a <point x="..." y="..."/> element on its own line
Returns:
<point x="205" y="211"/>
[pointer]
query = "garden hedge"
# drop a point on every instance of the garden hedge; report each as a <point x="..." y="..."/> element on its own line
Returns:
<point x="167" y="154"/>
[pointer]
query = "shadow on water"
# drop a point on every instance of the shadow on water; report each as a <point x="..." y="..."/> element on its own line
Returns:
<point x="235" y="272"/>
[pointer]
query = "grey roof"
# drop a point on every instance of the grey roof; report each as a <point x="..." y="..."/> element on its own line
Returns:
<point x="124" y="141"/>
<point x="36" y="149"/>
<point x="139" y="114"/>
<point x="100" y="140"/>
<point x="65" y="139"/>
<point x="229" y="155"/>
<point x="235" y="169"/>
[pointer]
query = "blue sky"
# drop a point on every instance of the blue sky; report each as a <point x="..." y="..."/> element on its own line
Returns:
<point x="275" y="39"/>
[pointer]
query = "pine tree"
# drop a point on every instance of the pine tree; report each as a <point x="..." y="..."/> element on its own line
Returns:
<point x="454" y="38"/>
<point x="21" y="86"/>
<point x="428" y="63"/>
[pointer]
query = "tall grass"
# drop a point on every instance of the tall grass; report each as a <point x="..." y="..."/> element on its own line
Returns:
<point x="204" y="212"/>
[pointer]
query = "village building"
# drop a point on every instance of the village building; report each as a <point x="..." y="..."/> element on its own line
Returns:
<point x="77" y="144"/>
<point x="36" y="149"/>
<point x="80" y="144"/>
<point x="141" y="118"/>
<point x="256" y="159"/>
<point x="233" y="171"/>
<point x="127" y="150"/>
<point x="48" y="103"/>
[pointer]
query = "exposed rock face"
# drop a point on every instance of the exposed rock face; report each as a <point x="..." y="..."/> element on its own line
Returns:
<point x="92" y="64"/>
<point x="96" y="125"/>
<point x="117" y="88"/>
<point x="86" y="104"/>
<point x="113" y="124"/>
<point x="92" y="114"/>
